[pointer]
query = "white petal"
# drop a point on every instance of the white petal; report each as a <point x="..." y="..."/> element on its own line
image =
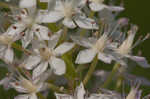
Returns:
<point x="9" y="55"/>
<point x="58" y="65"/>
<point x="33" y="96"/>
<point x="97" y="6"/>
<point x="103" y="96"/>
<point x="41" y="32"/>
<point x="2" y="51"/>
<point x="69" y="23"/>
<point x="141" y="61"/>
<point x="18" y="88"/>
<point x="105" y="58"/>
<point x="51" y="17"/>
<point x="51" y="5"/>
<point x="27" y="3"/>
<point x="63" y="96"/>
<point x="42" y="86"/>
<point x="37" y="44"/>
<point x="115" y="8"/>
<point x="5" y="82"/>
<point x="27" y="38"/>
<point x="85" y="56"/>
<point x="25" y="96"/>
<point x="41" y="68"/>
<point x="80" y="91"/>
<point x="63" y="48"/>
<point x="54" y="39"/>
<point x="16" y="29"/>
<point x="85" y="42"/>
<point x="31" y="62"/>
<point x="86" y="23"/>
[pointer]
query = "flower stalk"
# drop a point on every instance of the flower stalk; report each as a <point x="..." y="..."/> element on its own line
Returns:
<point x="18" y="47"/>
<point x="40" y="96"/>
<point x="57" y="89"/>
<point x="111" y="75"/>
<point x="90" y="71"/>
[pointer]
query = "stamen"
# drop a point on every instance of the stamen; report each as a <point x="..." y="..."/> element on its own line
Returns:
<point x="22" y="33"/>
<point x="22" y="12"/>
<point x="14" y="27"/>
<point x="17" y="84"/>
<point x="140" y="40"/>
<point x="37" y="29"/>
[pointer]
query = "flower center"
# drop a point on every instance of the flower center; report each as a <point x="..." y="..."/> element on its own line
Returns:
<point x="125" y="48"/>
<point x="28" y="85"/>
<point x="45" y="53"/>
<point x="101" y="43"/>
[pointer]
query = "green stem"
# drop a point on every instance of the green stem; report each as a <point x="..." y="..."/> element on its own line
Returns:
<point x="56" y="89"/>
<point x="5" y="5"/>
<point x="119" y="82"/>
<point x="40" y="96"/>
<point x="111" y="75"/>
<point x="18" y="47"/>
<point x="90" y="71"/>
<point x="92" y="14"/>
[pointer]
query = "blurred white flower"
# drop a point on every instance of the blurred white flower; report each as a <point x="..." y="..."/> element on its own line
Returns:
<point x="78" y="94"/>
<point x="70" y="12"/>
<point x="6" y="51"/>
<point x="28" y="87"/>
<point x="28" y="23"/>
<point x="98" y="5"/>
<point x="95" y="46"/>
<point x="103" y="96"/>
<point x="124" y="50"/>
<point x="48" y="54"/>
<point x="134" y="93"/>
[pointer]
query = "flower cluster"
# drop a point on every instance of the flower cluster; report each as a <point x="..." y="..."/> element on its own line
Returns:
<point x="57" y="38"/>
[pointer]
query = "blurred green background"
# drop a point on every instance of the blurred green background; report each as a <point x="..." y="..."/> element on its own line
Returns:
<point x="138" y="11"/>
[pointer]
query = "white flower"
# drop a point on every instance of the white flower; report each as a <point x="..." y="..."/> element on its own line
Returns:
<point x="5" y="82"/>
<point x="28" y="87"/>
<point x="6" y="51"/>
<point x="134" y="93"/>
<point x="48" y="55"/>
<point x="103" y="96"/>
<point x="28" y="23"/>
<point x="79" y="94"/>
<point x="124" y="50"/>
<point x="98" y="5"/>
<point x="95" y="46"/>
<point x="70" y="12"/>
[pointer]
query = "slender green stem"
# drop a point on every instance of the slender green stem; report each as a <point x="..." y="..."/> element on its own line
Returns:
<point x="5" y="5"/>
<point x="92" y="14"/>
<point x="40" y="96"/>
<point x="120" y="78"/>
<point x="90" y="71"/>
<point x="64" y="35"/>
<point x="56" y="89"/>
<point x="18" y="47"/>
<point x="119" y="82"/>
<point x="111" y="75"/>
<point x="2" y="4"/>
